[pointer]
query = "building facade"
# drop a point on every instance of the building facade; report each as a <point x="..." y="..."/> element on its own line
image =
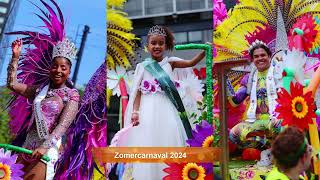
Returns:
<point x="190" y="21"/>
<point x="8" y="9"/>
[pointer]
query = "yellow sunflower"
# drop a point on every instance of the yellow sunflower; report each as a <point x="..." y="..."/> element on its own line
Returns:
<point x="299" y="107"/>
<point x="192" y="171"/>
<point x="208" y="141"/>
<point x="5" y="172"/>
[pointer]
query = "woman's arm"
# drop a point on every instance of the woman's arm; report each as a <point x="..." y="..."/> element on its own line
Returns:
<point x="12" y="83"/>
<point x="188" y="63"/>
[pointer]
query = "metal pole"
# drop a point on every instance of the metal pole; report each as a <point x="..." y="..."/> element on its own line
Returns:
<point x="224" y="166"/>
<point x="80" y="52"/>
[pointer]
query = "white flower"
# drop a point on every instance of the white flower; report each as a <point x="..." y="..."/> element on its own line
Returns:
<point x="296" y="61"/>
<point x="113" y="79"/>
<point x="190" y="90"/>
<point x="192" y="86"/>
<point x="129" y="78"/>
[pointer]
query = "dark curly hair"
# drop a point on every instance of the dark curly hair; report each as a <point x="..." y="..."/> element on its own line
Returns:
<point x="258" y="47"/>
<point x="288" y="147"/>
<point x="169" y="38"/>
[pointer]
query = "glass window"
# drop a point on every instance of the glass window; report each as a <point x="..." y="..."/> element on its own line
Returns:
<point x="3" y="10"/>
<point x="158" y="6"/>
<point x="183" y="5"/>
<point x="230" y="4"/>
<point x="133" y="7"/>
<point x="210" y="3"/>
<point x="1" y="20"/>
<point x="207" y="36"/>
<point x="181" y="37"/>
<point x="195" y="36"/>
<point x="143" y="41"/>
<point x="4" y="1"/>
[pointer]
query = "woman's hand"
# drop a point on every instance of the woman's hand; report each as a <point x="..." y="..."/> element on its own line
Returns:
<point x="135" y="119"/>
<point x="39" y="152"/>
<point x="16" y="47"/>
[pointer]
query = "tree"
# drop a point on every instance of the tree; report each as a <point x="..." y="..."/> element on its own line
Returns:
<point x="5" y="136"/>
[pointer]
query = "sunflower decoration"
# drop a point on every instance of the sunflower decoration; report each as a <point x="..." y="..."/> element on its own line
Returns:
<point x="120" y="40"/>
<point x="192" y="171"/>
<point x="208" y="142"/>
<point x="202" y="135"/>
<point x="296" y="109"/>
<point x="8" y="167"/>
<point x="304" y="33"/>
<point x="186" y="171"/>
<point x="316" y="44"/>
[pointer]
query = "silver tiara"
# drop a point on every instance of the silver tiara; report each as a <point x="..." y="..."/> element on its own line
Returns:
<point x="256" y="43"/>
<point x="65" y="49"/>
<point x="157" y="30"/>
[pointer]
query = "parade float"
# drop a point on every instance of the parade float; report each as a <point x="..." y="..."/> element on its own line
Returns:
<point x="290" y="31"/>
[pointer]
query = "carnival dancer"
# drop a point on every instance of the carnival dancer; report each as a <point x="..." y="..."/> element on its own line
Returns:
<point x="46" y="102"/>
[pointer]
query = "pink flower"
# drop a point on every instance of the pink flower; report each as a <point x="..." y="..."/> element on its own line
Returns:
<point x="250" y="174"/>
<point x="219" y="12"/>
<point x="177" y="84"/>
<point x="146" y="84"/>
<point x="153" y="88"/>
<point x="156" y="82"/>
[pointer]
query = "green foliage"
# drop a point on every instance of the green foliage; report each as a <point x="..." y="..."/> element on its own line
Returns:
<point x="202" y="106"/>
<point x="5" y="96"/>
<point x="81" y="90"/>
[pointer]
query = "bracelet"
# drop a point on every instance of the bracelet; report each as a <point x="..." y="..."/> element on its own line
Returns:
<point x="135" y="112"/>
<point x="11" y="67"/>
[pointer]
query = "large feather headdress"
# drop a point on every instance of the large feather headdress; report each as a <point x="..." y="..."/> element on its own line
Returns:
<point x="34" y="64"/>
<point x="261" y="19"/>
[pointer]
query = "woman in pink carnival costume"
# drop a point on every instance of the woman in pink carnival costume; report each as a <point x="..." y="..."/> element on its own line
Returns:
<point x="45" y="102"/>
<point x="47" y="66"/>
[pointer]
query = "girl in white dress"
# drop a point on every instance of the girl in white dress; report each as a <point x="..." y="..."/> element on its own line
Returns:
<point x="155" y="118"/>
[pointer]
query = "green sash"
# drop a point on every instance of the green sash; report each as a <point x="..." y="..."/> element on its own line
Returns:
<point x="170" y="89"/>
